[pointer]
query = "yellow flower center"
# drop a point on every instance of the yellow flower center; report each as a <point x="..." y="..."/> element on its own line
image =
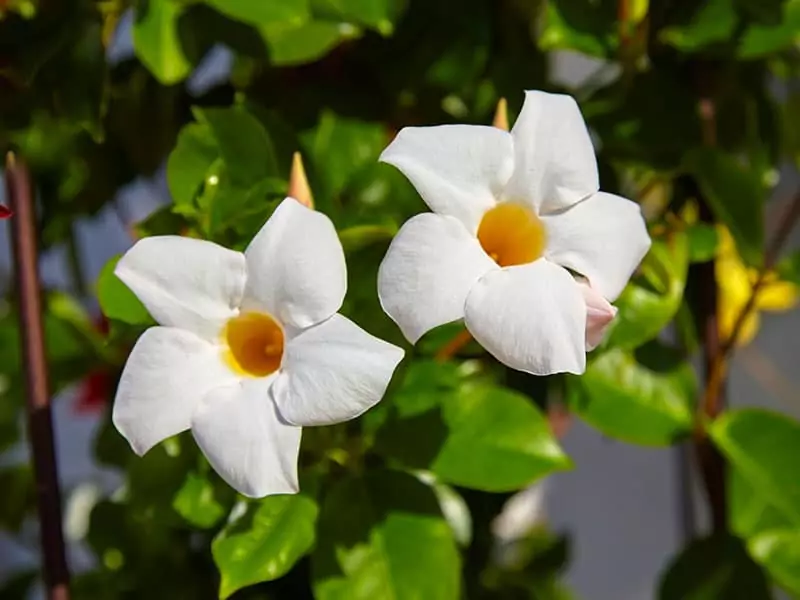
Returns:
<point x="254" y="344"/>
<point x="512" y="234"/>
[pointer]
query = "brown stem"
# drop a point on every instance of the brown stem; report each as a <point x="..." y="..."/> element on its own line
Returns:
<point x="704" y="279"/>
<point x="40" y="423"/>
<point x="451" y="348"/>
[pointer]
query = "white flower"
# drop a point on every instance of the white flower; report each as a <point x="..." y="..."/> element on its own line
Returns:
<point x="512" y="212"/>
<point x="249" y="349"/>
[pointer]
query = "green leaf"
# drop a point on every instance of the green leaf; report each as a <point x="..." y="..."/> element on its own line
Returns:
<point x="305" y="42"/>
<point x="479" y="436"/>
<point x="714" y="568"/>
<point x="703" y="242"/>
<point x="736" y="196"/>
<point x="761" y="39"/>
<point x="262" y="12"/>
<point x="156" y="41"/>
<point x="117" y="300"/>
<point x="763" y="447"/>
<point x="789" y="268"/>
<point x="649" y="303"/>
<point x="779" y="552"/>
<point x="339" y="148"/>
<point x="713" y="22"/>
<point x="196" y="502"/>
<point x="265" y="542"/>
<point x="190" y="164"/>
<point x="380" y="15"/>
<point x="581" y="25"/>
<point x="454" y="508"/>
<point x="749" y="513"/>
<point x="645" y="398"/>
<point x="383" y="536"/>
<point x="244" y="145"/>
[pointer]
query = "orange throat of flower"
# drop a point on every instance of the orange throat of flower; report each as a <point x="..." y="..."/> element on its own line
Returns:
<point x="254" y="344"/>
<point x="512" y="234"/>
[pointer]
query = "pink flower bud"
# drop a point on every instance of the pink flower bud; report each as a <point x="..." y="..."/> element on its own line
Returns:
<point x="599" y="314"/>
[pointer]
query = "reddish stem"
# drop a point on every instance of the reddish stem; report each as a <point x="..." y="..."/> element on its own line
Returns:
<point x="40" y="421"/>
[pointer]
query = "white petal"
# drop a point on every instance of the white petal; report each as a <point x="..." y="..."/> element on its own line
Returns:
<point x="239" y="430"/>
<point x="167" y="374"/>
<point x="603" y="238"/>
<point x="531" y="318"/>
<point x="427" y="273"/>
<point x="555" y="165"/>
<point x="599" y="315"/>
<point x="296" y="268"/>
<point x="184" y="282"/>
<point x="459" y="170"/>
<point x="333" y="372"/>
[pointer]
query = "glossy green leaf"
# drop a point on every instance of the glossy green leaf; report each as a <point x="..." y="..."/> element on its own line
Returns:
<point x="376" y="14"/>
<point x="196" y="503"/>
<point x="265" y="541"/>
<point x="156" y="41"/>
<point x="190" y="164"/>
<point x="305" y="42"/>
<point x="713" y="22"/>
<point x="762" y="446"/>
<point x="343" y="146"/>
<point x="749" y="513"/>
<point x="650" y="302"/>
<point x="479" y="436"/>
<point x="383" y="536"/>
<point x="262" y="12"/>
<point x="117" y="300"/>
<point x="714" y="568"/>
<point x="736" y="196"/>
<point x="244" y="145"/>
<point x="779" y="552"/>
<point x="643" y="398"/>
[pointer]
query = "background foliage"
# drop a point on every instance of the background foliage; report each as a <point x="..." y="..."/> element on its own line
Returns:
<point x="693" y="111"/>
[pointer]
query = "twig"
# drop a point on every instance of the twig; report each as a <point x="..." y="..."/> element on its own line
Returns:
<point x="704" y="277"/>
<point x="40" y="423"/>
<point x="451" y="348"/>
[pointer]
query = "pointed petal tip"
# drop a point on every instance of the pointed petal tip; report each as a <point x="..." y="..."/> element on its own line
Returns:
<point x="299" y="189"/>
<point x="501" y="115"/>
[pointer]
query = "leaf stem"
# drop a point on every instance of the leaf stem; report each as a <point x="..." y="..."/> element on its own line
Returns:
<point x="39" y="416"/>
<point x="451" y="348"/>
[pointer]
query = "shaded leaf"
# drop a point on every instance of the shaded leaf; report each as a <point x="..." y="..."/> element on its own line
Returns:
<point x="736" y="196"/>
<point x="779" y="552"/>
<point x="714" y="568"/>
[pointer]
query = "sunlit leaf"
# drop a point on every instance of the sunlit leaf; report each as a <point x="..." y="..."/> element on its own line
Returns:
<point x="156" y="40"/>
<point x="383" y="536"/>
<point x="643" y="398"/>
<point x="762" y="446"/>
<point x="265" y="541"/>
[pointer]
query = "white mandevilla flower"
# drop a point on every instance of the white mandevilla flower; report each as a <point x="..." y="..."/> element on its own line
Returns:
<point x="515" y="215"/>
<point x="249" y="349"/>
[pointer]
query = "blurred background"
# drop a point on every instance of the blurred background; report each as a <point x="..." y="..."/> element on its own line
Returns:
<point x="94" y="95"/>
